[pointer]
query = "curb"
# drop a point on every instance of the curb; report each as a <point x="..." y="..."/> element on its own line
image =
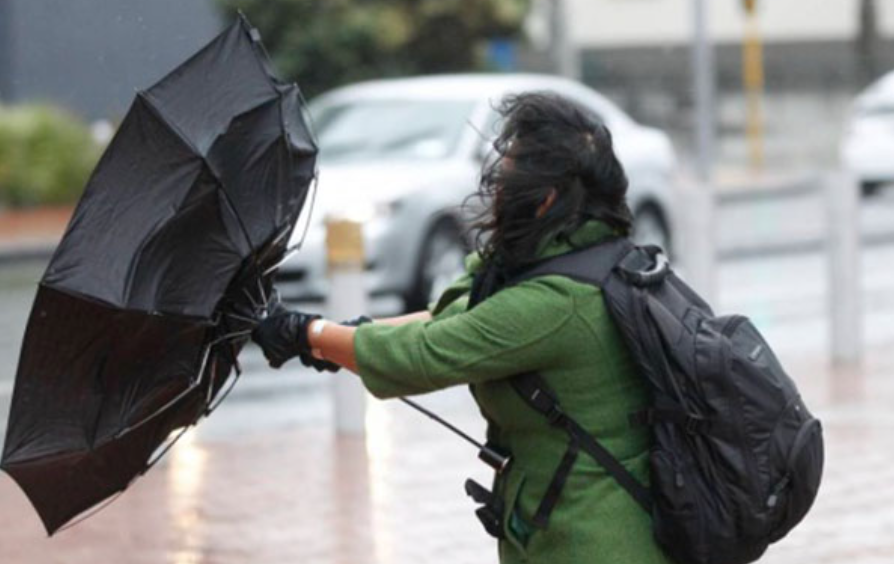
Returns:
<point x="11" y="253"/>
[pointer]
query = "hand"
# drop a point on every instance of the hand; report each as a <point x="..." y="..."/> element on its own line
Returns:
<point x="282" y="335"/>
<point x="322" y="365"/>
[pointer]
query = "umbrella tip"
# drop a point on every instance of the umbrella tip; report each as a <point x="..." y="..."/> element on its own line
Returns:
<point x="253" y="32"/>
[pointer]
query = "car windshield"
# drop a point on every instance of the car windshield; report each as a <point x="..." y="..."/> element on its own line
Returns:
<point x="391" y="129"/>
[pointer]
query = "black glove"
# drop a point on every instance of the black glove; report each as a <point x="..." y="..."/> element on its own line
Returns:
<point x="282" y="335"/>
<point x="321" y="365"/>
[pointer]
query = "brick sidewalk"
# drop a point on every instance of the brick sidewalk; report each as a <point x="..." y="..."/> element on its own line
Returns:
<point x="301" y="495"/>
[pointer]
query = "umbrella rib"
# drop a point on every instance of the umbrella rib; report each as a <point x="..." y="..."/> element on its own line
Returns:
<point x="147" y="97"/>
<point x="297" y="246"/>
<point x="190" y="388"/>
<point x="91" y="512"/>
<point x="232" y="207"/>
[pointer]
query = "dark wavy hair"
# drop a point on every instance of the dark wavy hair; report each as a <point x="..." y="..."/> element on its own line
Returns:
<point x="546" y="142"/>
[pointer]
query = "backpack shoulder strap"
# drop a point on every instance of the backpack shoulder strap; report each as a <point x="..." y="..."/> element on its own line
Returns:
<point x="591" y="265"/>
<point x="534" y="391"/>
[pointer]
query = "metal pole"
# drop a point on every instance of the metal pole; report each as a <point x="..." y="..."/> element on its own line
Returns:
<point x="347" y="299"/>
<point x="698" y="209"/>
<point x="565" y="54"/>
<point x="704" y="78"/>
<point x="844" y="292"/>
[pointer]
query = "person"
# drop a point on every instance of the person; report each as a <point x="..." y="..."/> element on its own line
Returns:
<point x="554" y="186"/>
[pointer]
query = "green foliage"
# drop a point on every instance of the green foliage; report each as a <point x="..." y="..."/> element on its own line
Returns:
<point x="326" y="43"/>
<point x="46" y="156"/>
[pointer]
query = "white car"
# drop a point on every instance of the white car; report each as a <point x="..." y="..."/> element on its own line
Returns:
<point x="868" y="145"/>
<point x="402" y="155"/>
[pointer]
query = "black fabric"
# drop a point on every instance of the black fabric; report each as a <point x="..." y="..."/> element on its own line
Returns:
<point x="737" y="458"/>
<point x="160" y="276"/>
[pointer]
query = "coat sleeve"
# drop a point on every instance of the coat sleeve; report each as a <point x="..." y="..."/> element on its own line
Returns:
<point x="516" y="330"/>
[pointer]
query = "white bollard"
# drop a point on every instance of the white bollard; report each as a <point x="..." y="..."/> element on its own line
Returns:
<point x="697" y="247"/>
<point x="844" y="291"/>
<point x="347" y="299"/>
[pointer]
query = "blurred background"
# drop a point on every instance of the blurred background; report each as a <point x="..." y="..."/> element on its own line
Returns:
<point x="759" y="141"/>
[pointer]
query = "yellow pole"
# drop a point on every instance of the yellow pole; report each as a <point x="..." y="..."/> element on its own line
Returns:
<point x="753" y="80"/>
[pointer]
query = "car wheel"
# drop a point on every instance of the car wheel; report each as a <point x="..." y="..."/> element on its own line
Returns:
<point x="650" y="228"/>
<point x="441" y="262"/>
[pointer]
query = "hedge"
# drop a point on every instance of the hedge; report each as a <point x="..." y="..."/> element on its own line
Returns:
<point x="46" y="156"/>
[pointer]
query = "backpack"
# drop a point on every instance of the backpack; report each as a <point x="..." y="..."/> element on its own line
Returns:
<point x="736" y="457"/>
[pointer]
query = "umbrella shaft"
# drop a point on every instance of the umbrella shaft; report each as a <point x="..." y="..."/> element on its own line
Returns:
<point x="435" y="417"/>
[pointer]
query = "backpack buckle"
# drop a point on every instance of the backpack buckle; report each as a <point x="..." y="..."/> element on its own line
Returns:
<point x="491" y="511"/>
<point x="555" y="415"/>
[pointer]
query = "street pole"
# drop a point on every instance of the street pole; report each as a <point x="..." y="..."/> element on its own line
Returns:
<point x="697" y="213"/>
<point x="565" y="54"/>
<point x="845" y="287"/>
<point x="347" y="299"/>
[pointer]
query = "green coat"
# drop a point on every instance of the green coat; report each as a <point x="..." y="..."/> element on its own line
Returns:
<point x="561" y="329"/>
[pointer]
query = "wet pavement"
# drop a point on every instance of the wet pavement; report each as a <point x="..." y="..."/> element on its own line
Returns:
<point x="265" y="479"/>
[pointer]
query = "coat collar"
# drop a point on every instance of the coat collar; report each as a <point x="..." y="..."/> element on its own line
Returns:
<point x="589" y="233"/>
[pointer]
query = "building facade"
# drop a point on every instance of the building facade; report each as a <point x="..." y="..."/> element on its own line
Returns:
<point x="89" y="56"/>
<point x="817" y="55"/>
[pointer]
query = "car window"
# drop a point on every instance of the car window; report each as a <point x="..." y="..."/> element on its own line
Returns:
<point x="391" y="129"/>
<point x="492" y="123"/>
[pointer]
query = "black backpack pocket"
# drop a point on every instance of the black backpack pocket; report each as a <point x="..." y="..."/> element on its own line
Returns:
<point x="794" y="494"/>
<point x="677" y="516"/>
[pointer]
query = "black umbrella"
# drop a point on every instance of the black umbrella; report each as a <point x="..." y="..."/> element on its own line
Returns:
<point x="155" y="286"/>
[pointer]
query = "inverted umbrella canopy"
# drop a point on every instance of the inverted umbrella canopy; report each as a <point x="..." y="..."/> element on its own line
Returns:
<point x="151" y="293"/>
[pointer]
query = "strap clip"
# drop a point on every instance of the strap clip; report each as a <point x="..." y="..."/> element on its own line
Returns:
<point x="491" y="511"/>
<point x="555" y="415"/>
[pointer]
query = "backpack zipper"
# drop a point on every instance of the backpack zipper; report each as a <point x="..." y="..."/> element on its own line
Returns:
<point x="777" y="489"/>
<point x="797" y="447"/>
